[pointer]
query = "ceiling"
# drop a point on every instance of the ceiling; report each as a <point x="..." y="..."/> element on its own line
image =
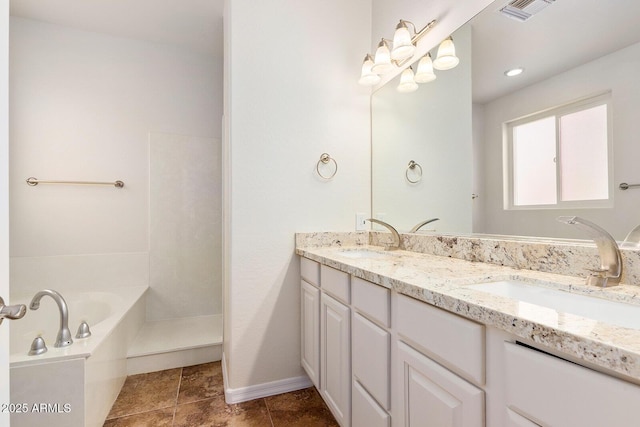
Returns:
<point x="191" y="24"/>
<point x="562" y="36"/>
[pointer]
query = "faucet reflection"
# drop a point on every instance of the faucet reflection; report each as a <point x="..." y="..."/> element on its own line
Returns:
<point x="419" y="225"/>
<point x="610" y="269"/>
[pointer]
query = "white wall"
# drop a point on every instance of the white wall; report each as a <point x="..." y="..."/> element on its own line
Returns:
<point x="185" y="227"/>
<point x="293" y="94"/>
<point x="589" y="79"/>
<point x="82" y="107"/>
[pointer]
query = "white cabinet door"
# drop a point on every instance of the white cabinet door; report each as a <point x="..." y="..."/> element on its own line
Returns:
<point x="371" y="349"/>
<point x="429" y="395"/>
<point x="310" y="316"/>
<point x="335" y="358"/>
<point x="365" y="410"/>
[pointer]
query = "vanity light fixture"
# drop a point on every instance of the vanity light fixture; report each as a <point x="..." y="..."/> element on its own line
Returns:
<point x="407" y="82"/>
<point x="514" y="72"/>
<point x="446" y="58"/>
<point x="385" y="59"/>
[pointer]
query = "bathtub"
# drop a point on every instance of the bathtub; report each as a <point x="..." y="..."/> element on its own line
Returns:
<point x="75" y="385"/>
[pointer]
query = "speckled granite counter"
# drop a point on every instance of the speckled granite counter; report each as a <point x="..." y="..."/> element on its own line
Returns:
<point x="447" y="283"/>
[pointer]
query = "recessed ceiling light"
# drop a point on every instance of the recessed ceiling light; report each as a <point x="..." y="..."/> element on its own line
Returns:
<point x="514" y="72"/>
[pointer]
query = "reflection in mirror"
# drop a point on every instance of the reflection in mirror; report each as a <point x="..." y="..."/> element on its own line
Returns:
<point x="430" y="127"/>
<point x="454" y="127"/>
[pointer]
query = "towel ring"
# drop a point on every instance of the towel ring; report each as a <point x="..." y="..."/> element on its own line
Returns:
<point x="325" y="159"/>
<point x="412" y="165"/>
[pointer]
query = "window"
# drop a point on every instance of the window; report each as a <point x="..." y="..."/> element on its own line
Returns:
<point x="560" y="158"/>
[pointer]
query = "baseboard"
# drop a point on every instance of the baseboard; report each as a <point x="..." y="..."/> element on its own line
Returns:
<point x="258" y="391"/>
<point x="173" y="359"/>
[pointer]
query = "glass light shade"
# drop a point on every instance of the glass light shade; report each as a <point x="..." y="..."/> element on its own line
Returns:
<point x="424" y="72"/>
<point x="446" y="58"/>
<point x="368" y="77"/>
<point x="402" y="46"/>
<point x="382" y="63"/>
<point x="407" y="83"/>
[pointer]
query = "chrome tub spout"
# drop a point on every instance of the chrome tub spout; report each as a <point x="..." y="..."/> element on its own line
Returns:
<point x="64" y="334"/>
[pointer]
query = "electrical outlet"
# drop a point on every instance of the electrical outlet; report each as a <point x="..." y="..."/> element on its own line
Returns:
<point x="361" y="223"/>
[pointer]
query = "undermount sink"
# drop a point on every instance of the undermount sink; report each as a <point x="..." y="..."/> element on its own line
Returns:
<point x="362" y="253"/>
<point x="616" y="313"/>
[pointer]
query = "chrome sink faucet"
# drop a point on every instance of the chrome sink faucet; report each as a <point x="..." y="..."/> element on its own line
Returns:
<point x="610" y="270"/>
<point x="64" y="334"/>
<point x="422" y="224"/>
<point x="396" y="236"/>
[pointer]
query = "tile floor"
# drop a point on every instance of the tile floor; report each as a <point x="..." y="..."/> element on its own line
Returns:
<point x="194" y="397"/>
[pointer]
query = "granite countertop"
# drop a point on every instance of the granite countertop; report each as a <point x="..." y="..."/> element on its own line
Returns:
<point x="447" y="283"/>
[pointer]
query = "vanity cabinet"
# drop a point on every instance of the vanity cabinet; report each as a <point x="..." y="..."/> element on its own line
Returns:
<point x="383" y="359"/>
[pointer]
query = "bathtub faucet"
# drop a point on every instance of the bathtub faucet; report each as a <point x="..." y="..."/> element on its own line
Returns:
<point x="64" y="334"/>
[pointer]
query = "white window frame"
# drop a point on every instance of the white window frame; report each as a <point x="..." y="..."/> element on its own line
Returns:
<point x="558" y="111"/>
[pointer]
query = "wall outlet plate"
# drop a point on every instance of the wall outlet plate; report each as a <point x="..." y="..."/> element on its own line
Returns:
<point x="361" y="223"/>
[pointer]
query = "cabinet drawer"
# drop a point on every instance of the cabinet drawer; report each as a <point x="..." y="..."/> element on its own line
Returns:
<point x="365" y="411"/>
<point x="310" y="271"/>
<point x="371" y="349"/>
<point x="554" y="392"/>
<point x="371" y="300"/>
<point x="335" y="282"/>
<point x="451" y="340"/>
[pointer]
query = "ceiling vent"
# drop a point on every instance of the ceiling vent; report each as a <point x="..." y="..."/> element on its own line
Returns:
<point x="524" y="9"/>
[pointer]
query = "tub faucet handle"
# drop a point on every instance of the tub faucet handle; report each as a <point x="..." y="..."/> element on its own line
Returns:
<point x="12" y="312"/>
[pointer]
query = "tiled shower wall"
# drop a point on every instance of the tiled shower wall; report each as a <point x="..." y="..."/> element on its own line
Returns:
<point x="185" y="258"/>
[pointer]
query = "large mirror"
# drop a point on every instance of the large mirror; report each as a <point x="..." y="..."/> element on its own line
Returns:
<point x="454" y="128"/>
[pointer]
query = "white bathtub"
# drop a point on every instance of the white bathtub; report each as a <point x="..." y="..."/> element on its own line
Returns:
<point x="75" y="385"/>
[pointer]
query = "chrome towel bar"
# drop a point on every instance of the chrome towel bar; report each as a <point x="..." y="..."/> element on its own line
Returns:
<point x="35" y="181"/>
<point x="625" y="186"/>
